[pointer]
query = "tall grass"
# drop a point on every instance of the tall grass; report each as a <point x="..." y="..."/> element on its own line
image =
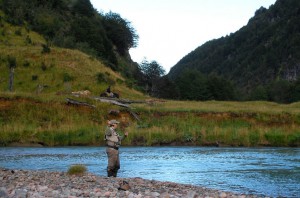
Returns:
<point x="50" y="123"/>
<point x="54" y="123"/>
<point x="190" y="129"/>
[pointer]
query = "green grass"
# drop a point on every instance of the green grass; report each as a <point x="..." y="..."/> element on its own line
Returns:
<point x="206" y="128"/>
<point x="51" y="122"/>
<point x="77" y="169"/>
<point x="60" y="71"/>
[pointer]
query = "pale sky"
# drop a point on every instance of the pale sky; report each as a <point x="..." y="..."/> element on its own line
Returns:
<point x="170" y="29"/>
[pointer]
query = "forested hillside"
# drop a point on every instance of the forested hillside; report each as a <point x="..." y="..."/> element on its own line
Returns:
<point x="261" y="61"/>
<point x="75" y="24"/>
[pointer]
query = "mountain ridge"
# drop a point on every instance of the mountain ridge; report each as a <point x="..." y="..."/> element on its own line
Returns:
<point x="262" y="52"/>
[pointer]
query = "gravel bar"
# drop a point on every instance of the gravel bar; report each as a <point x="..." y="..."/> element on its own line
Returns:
<point x="36" y="184"/>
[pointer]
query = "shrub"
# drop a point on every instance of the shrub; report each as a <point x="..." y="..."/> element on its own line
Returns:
<point x="26" y="64"/>
<point x="46" y="49"/>
<point x="77" y="169"/>
<point x="44" y="66"/>
<point x="18" y="32"/>
<point x="101" y="77"/>
<point x="67" y="77"/>
<point x="28" y="40"/>
<point x="34" y="77"/>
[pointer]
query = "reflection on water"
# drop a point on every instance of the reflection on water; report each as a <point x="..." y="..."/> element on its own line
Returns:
<point x="262" y="171"/>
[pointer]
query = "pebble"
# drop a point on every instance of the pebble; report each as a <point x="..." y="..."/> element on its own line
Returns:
<point x="23" y="183"/>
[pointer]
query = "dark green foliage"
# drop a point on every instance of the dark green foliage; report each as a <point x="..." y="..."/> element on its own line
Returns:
<point x="150" y="74"/>
<point x="18" y="32"/>
<point x="193" y="85"/>
<point x="220" y="88"/>
<point x="262" y="59"/>
<point x="67" y="77"/>
<point x="276" y="138"/>
<point x="294" y="139"/>
<point x="101" y="78"/>
<point x="28" y="40"/>
<point x="43" y="66"/>
<point x="46" y="49"/>
<point x="120" y="32"/>
<point x="26" y="64"/>
<point x="104" y="78"/>
<point x="34" y="77"/>
<point x="11" y="62"/>
<point x="83" y="7"/>
<point x="295" y="89"/>
<point x="280" y="91"/>
<point x="165" y="88"/>
<point x="259" y="93"/>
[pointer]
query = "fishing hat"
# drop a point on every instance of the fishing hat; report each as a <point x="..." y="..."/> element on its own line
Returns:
<point x="114" y="122"/>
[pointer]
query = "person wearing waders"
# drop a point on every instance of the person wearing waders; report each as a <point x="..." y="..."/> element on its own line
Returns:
<point x="113" y="142"/>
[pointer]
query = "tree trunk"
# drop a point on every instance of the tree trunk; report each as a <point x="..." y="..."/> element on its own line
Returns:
<point x="11" y="78"/>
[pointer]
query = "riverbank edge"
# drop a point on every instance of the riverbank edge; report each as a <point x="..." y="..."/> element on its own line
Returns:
<point x="29" y="183"/>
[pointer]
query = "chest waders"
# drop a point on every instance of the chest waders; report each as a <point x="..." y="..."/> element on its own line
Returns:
<point x="113" y="142"/>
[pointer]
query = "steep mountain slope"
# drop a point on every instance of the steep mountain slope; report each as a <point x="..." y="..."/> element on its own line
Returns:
<point x="266" y="50"/>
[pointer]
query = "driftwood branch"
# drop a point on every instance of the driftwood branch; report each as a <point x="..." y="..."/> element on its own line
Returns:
<point x="123" y="101"/>
<point x="79" y="103"/>
<point x="111" y="100"/>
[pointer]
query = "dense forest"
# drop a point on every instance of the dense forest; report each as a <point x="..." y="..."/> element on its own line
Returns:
<point x="261" y="61"/>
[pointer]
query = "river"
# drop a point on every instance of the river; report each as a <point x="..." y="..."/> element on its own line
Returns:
<point x="262" y="171"/>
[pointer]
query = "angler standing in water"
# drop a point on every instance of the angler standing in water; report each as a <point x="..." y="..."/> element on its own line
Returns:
<point x="113" y="142"/>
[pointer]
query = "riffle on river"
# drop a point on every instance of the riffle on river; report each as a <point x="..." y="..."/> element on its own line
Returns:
<point x="262" y="171"/>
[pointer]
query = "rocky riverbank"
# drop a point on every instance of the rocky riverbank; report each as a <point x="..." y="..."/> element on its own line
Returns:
<point x="36" y="184"/>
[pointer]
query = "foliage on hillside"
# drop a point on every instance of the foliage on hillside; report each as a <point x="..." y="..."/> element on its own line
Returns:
<point x="75" y="24"/>
<point x="40" y="69"/>
<point x="261" y="61"/>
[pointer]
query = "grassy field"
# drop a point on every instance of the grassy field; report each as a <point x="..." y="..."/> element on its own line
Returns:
<point x="28" y="121"/>
<point x="36" y="112"/>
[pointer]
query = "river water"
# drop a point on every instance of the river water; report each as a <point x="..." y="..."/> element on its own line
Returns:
<point x="262" y="171"/>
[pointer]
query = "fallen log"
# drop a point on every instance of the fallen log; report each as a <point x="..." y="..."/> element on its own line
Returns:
<point x="111" y="101"/>
<point x="124" y="101"/>
<point x="79" y="103"/>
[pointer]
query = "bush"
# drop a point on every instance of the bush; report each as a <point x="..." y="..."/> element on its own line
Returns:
<point x="18" y="32"/>
<point x="101" y="77"/>
<point x="77" y="169"/>
<point x="26" y="64"/>
<point x="46" y="49"/>
<point x="34" y="77"/>
<point x="67" y="77"/>
<point x="44" y="66"/>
